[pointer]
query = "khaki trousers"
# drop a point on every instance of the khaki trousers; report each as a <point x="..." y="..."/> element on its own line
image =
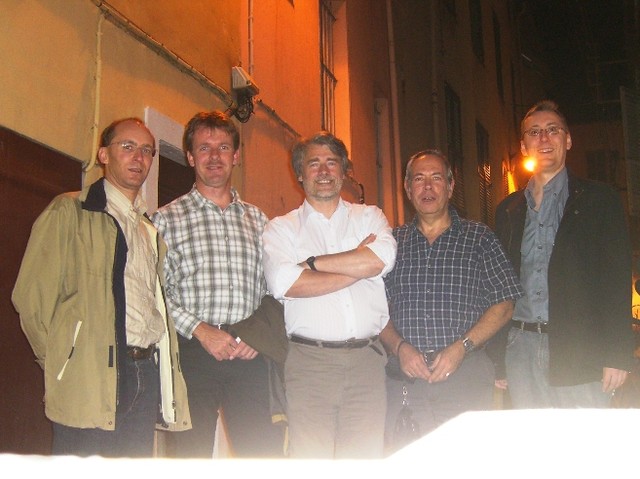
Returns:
<point x="336" y="401"/>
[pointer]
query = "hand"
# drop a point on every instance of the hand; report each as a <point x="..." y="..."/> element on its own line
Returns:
<point x="447" y="362"/>
<point x="244" y="351"/>
<point x="218" y="343"/>
<point x="412" y="362"/>
<point x="613" y="379"/>
<point x="369" y="239"/>
<point x="501" y="384"/>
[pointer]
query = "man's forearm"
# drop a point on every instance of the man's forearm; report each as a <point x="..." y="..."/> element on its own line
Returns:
<point x="357" y="263"/>
<point x="391" y="339"/>
<point x="316" y="283"/>
<point x="493" y="319"/>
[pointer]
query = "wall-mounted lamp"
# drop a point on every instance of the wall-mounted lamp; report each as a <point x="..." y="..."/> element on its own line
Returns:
<point x="245" y="89"/>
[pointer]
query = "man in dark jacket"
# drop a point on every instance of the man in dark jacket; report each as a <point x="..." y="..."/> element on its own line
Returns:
<point x="570" y="342"/>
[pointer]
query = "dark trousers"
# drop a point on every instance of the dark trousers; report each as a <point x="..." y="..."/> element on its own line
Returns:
<point x="136" y="415"/>
<point x="241" y="389"/>
<point x="470" y="388"/>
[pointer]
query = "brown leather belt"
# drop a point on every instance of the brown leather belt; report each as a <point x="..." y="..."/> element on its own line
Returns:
<point x="531" y="327"/>
<point x="138" y="354"/>
<point x="346" y="344"/>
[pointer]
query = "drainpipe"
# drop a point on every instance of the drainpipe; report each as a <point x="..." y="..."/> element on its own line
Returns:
<point x="435" y="118"/>
<point x="396" y="162"/>
<point x="250" y="34"/>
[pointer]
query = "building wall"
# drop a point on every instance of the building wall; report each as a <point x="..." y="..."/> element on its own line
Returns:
<point x="72" y="66"/>
<point x="69" y="72"/>
<point x="369" y="85"/>
<point x="434" y="48"/>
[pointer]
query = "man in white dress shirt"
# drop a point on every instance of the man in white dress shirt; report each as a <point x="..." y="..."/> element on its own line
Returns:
<point x="325" y="260"/>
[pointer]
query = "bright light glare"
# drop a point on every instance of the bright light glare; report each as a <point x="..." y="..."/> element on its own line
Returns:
<point x="529" y="163"/>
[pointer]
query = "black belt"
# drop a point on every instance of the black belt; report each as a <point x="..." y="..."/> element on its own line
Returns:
<point x="137" y="354"/>
<point x="347" y="344"/>
<point x="532" y="327"/>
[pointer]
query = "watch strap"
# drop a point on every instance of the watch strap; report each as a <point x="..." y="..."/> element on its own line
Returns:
<point x="311" y="262"/>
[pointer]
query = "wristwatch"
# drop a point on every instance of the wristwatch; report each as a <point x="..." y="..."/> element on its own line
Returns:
<point x="468" y="345"/>
<point x="311" y="262"/>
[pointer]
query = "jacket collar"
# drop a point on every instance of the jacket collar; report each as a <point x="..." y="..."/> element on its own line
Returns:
<point x="93" y="197"/>
<point x="576" y="187"/>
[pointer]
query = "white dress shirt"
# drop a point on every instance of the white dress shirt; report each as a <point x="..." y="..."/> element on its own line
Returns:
<point x="357" y="311"/>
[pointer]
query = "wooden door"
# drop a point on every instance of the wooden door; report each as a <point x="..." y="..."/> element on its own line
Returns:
<point x="30" y="176"/>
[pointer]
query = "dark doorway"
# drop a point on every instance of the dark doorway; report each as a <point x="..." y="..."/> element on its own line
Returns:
<point x="30" y="176"/>
<point x="175" y="178"/>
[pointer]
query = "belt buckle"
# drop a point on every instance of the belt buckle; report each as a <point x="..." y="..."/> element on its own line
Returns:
<point x="429" y="357"/>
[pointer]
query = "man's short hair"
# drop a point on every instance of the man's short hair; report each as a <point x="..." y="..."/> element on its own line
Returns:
<point x="429" y="152"/>
<point x="544" y="105"/>
<point x="209" y="119"/>
<point x="325" y="138"/>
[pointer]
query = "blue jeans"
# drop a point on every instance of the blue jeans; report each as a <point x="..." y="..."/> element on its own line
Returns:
<point x="136" y="416"/>
<point x="527" y="362"/>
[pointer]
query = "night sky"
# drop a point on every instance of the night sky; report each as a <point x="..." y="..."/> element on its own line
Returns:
<point x="576" y="39"/>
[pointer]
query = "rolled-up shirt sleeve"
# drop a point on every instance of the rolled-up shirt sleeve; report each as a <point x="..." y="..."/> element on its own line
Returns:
<point x="279" y="260"/>
<point x="384" y="246"/>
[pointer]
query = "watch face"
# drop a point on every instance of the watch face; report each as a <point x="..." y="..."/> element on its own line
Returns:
<point x="468" y="345"/>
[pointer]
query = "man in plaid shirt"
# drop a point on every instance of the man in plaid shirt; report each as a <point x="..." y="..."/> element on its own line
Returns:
<point x="451" y="290"/>
<point x="215" y="279"/>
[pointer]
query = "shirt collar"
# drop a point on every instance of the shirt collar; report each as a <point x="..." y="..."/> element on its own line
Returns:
<point x="455" y="227"/>
<point x="122" y="204"/>
<point x="554" y="186"/>
<point x="308" y="210"/>
<point x="202" y="202"/>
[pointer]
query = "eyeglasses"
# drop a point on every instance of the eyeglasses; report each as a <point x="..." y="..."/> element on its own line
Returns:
<point x="550" y="131"/>
<point x="130" y="148"/>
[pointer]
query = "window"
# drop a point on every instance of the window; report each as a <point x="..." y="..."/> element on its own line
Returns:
<point x="498" y="49"/>
<point x="454" y="145"/>
<point x="484" y="172"/>
<point x="475" y="13"/>
<point x="328" y="79"/>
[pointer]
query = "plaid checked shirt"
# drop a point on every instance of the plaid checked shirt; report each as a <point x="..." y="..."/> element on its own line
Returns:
<point x="214" y="265"/>
<point x="438" y="292"/>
